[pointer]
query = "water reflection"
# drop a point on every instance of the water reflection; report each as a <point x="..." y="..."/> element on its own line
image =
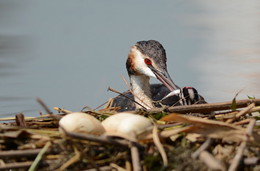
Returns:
<point x="69" y="55"/>
<point x="14" y="52"/>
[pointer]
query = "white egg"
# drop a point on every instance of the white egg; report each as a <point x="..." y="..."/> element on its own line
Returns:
<point x="126" y="123"/>
<point x="81" y="123"/>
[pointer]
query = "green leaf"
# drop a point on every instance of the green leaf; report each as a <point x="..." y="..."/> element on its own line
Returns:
<point x="251" y="98"/>
<point x="234" y="103"/>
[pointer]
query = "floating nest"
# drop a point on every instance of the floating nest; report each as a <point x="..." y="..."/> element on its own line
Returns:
<point x="216" y="136"/>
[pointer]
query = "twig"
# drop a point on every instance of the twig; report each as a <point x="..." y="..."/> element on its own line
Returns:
<point x="17" y="165"/>
<point x="97" y="106"/>
<point x="229" y="115"/>
<point x="237" y="158"/>
<point x="203" y="147"/>
<point x="19" y="118"/>
<point x="159" y="146"/>
<point x="255" y="109"/>
<point x="123" y="78"/>
<point x="72" y="160"/>
<point x="135" y="154"/>
<point x="122" y="94"/>
<point x="19" y="153"/>
<point x="44" y="105"/>
<point x="128" y="165"/>
<point x="171" y="132"/>
<point x="211" y="161"/>
<point x="246" y="110"/>
<point x="240" y="151"/>
<point x="117" y="167"/>
<point x="207" y="108"/>
<point x="242" y="122"/>
<point x="62" y="110"/>
<point x="39" y="156"/>
<point x="103" y="168"/>
<point x="241" y="113"/>
<point x="251" y="160"/>
<point x="225" y="116"/>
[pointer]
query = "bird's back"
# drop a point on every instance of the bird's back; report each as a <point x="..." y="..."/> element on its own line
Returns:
<point x="159" y="91"/>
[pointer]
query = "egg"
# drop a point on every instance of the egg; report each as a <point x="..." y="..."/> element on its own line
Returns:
<point x="81" y="123"/>
<point x="126" y="123"/>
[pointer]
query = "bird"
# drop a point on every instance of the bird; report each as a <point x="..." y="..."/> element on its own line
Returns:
<point x="147" y="59"/>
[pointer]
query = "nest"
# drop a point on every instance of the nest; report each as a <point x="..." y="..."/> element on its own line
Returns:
<point x="217" y="136"/>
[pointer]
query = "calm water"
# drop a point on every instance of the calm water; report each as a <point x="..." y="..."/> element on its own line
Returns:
<point x="69" y="52"/>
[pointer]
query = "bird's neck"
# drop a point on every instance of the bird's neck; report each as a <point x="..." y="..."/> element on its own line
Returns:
<point x="141" y="90"/>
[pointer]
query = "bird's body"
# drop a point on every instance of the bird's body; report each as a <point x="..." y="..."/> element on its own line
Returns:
<point x="158" y="91"/>
<point x="147" y="59"/>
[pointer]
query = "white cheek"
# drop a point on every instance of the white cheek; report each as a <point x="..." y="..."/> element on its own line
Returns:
<point x="147" y="71"/>
<point x="141" y="66"/>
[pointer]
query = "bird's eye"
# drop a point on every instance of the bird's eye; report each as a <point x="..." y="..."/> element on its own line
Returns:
<point x="147" y="61"/>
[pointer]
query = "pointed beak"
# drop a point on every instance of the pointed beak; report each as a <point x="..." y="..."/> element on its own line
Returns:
<point x="165" y="78"/>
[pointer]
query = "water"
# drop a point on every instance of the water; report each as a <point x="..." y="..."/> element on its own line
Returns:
<point x="69" y="52"/>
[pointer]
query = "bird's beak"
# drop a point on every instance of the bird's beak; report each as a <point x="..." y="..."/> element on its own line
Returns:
<point x="165" y="78"/>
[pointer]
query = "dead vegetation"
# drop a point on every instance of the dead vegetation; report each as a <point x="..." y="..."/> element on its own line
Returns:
<point x="217" y="136"/>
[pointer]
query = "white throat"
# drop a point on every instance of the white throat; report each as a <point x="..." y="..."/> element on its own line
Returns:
<point x="141" y="90"/>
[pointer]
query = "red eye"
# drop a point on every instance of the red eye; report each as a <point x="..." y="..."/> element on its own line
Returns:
<point x="147" y="61"/>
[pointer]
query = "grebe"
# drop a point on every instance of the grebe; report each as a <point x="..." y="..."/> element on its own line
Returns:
<point x="148" y="59"/>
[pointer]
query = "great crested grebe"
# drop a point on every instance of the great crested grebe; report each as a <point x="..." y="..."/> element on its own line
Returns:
<point x="148" y="59"/>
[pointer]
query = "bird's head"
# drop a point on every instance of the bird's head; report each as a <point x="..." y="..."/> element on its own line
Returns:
<point x="149" y="58"/>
